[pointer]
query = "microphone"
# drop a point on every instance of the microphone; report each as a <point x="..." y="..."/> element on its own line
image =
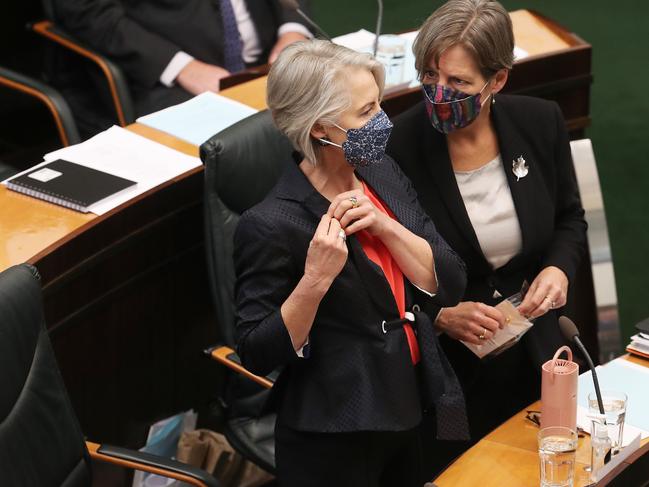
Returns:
<point x="379" y="23"/>
<point x="570" y="333"/>
<point x="295" y="6"/>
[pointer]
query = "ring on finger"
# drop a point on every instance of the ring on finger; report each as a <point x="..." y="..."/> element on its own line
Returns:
<point x="483" y="334"/>
<point x="354" y="201"/>
<point x="341" y="234"/>
<point x="552" y="303"/>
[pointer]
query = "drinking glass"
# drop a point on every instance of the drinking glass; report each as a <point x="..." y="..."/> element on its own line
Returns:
<point x="615" y="411"/>
<point x="557" y="447"/>
<point x="391" y="52"/>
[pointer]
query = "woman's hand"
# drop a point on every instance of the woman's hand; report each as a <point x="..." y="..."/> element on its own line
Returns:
<point x="327" y="253"/>
<point x="355" y="211"/>
<point x="548" y="291"/>
<point x="468" y="321"/>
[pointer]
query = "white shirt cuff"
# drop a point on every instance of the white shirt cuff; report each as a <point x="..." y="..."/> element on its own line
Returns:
<point x="428" y="293"/>
<point x="294" y="27"/>
<point x="173" y="69"/>
<point x="303" y="349"/>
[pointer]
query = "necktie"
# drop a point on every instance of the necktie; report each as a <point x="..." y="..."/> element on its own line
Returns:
<point x="233" y="46"/>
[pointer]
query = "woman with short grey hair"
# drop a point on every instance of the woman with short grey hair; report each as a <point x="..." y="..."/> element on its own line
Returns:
<point x="494" y="172"/>
<point x="332" y="270"/>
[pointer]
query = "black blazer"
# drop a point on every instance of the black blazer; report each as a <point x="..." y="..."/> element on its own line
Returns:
<point x="356" y="377"/>
<point x="142" y="36"/>
<point x="546" y="200"/>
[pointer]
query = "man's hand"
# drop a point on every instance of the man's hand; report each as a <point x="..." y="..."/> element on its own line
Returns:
<point x="283" y="41"/>
<point x="198" y="77"/>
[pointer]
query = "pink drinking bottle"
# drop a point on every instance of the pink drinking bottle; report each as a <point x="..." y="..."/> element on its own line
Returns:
<point x="559" y="391"/>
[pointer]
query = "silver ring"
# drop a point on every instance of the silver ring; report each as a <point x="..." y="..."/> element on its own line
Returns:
<point x="341" y="234"/>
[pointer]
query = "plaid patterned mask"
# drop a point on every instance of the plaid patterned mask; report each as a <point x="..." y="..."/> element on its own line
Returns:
<point x="366" y="145"/>
<point x="451" y="109"/>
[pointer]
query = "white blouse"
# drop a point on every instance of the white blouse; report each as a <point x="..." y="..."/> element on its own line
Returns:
<point x="490" y="206"/>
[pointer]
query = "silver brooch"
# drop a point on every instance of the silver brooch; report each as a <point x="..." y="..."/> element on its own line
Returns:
<point x="520" y="168"/>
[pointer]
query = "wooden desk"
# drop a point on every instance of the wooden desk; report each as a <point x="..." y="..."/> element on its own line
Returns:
<point x="126" y="300"/>
<point x="508" y="456"/>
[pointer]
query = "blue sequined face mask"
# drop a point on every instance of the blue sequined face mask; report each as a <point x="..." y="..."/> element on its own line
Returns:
<point x="366" y="145"/>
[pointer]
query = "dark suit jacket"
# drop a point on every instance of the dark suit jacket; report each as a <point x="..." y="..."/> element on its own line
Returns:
<point x="546" y="200"/>
<point x="142" y="36"/>
<point x="356" y="377"/>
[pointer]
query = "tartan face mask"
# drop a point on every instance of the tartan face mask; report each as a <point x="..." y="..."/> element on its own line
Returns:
<point x="451" y="109"/>
<point x="366" y="145"/>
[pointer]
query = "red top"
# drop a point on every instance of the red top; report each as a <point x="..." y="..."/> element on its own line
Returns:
<point x="380" y="255"/>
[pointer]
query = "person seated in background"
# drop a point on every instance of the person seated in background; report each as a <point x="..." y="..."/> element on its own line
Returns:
<point x="495" y="174"/>
<point x="172" y="50"/>
<point x="329" y="268"/>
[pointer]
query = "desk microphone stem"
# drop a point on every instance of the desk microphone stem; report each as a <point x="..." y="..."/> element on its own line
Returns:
<point x="584" y="352"/>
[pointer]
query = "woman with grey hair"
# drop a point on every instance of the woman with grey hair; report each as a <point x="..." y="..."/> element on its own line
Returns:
<point x="332" y="269"/>
<point x="495" y="174"/>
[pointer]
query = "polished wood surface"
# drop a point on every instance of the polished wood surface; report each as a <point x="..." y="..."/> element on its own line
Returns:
<point x="533" y="35"/>
<point x="508" y="456"/>
<point x="31" y="228"/>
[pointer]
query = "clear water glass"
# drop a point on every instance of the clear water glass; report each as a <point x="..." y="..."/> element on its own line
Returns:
<point x="391" y="52"/>
<point x="615" y="404"/>
<point x="557" y="451"/>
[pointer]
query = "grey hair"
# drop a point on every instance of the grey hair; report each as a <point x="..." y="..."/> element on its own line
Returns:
<point x="481" y="26"/>
<point x="307" y="85"/>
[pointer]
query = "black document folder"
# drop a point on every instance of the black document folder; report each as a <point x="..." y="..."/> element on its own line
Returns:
<point x="69" y="184"/>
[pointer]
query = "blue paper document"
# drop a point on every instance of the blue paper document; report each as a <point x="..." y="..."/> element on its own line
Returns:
<point x="198" y="119"/>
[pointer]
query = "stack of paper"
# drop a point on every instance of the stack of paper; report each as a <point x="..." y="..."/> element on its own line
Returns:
<point x="639" y="345"/>
<point x="198" y="119"/>
<point x="125" y="154"/>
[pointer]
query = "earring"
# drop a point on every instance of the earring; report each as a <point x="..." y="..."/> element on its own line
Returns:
<point x="493" y="99"/>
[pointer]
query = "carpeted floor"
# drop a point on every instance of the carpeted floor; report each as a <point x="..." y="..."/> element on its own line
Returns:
<point x="619" y="109"/>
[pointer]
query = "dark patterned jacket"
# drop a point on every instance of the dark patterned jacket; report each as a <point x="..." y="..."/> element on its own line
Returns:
<point x="356" y="377"/>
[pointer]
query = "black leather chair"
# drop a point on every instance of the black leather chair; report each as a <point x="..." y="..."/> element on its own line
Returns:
<point x="41" y="443"/>
<point x="100" y="91"/>
<point x="51" y="98"/>
<point x="54" y="102"/>
<point x="242" y="163"/>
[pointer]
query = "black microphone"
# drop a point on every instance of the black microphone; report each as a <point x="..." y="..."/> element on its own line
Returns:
<point x="294" y="5"/>
<point x="379" y="24"/>
<point x="571" y="333"/>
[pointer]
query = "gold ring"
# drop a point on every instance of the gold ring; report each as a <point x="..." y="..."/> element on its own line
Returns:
<point x="354" y="201"/>
<point x="484" y="333"/>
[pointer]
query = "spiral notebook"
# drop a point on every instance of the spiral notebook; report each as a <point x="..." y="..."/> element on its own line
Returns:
<point x="69" y="184"/>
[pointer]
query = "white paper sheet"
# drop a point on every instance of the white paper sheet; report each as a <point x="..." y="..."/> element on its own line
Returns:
<point x="196" y="120"/>
<point x="123" y="153"/>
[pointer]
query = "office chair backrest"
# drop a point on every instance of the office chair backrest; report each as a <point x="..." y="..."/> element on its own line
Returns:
<point x="242" y="164"/>
<point x="40" y="440"/>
